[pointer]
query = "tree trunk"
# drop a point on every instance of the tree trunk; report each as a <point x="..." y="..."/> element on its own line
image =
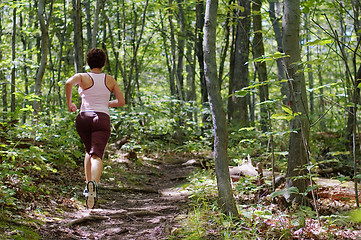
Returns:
<point x="60" y="56"/>
<point x="172" y="50"/>
<point x="181" y="44"/>
<point x="190" y="67"/>
<point x="3" y="84"/>
<point x="44" y="50"/>
<point x="98" y="7"/>
<point x="261" y="69"/>
<point x="13" y="58"/>
<point x="199" y="50"/>
<point x="24" y="68"/>
<point x="136" y="38"/>
<point x="226" y="200"/>
<point x="309" y="66"/>
<point x="167" y="57"/>
<point x="239" y="105"/>
<point x="280" y="68"/>
<point x="118" y="64"/>
<point x="78" y="38"/>
<point x="88" y="24"/>
<point x="226" y="45"/>
<point x="300" y="126"/>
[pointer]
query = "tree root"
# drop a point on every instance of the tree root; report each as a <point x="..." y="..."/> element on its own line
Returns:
<point x="86" y="219"/>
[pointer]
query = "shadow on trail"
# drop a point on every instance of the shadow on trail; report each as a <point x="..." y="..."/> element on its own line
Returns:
<point x="143" y="208"/>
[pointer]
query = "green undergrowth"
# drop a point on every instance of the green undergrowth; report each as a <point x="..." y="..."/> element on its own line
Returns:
<point x="18" y="229"/>
<point x="259" y="218"/>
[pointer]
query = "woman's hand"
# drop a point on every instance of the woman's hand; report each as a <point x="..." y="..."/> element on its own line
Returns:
<point x="72" y="107"/>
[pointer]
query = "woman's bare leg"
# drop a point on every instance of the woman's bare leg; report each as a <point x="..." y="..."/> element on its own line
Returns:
<point x="87" y="167"/>
<point x="93" y="167"/>
<point x="96" y="168"/>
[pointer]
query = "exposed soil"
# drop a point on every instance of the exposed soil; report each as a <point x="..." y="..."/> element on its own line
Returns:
<point x="138" y="199"/>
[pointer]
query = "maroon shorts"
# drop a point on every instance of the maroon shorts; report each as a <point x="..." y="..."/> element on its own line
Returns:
<point x="94" y="131"/>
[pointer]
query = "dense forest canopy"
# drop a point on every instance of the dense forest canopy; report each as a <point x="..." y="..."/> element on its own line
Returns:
<point x="288" y="75"/>
<point x="152" y="49"/>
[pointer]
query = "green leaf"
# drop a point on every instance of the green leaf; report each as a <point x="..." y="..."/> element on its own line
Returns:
<point x="241" y="93"/>
<point x="271" y="57"/>
<point x="287" y="109"/>
<point x="282" y="116"/>
<point x="319" y="42"/>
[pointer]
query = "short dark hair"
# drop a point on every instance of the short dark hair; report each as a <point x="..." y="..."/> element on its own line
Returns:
<point x="96" y="58"/>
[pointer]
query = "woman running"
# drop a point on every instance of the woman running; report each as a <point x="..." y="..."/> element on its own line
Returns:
<point x="93" y="121"/>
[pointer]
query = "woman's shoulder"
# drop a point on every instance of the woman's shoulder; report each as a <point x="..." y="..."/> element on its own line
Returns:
<point x="110" y="81"/>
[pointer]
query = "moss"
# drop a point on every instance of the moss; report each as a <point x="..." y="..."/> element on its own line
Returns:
<point x="18" y="231"/>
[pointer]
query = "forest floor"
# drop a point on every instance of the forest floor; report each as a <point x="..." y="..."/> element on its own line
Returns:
<point x="145" y="197"/>
<point x="137" y="200"/>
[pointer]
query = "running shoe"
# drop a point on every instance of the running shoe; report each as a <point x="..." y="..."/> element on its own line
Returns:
<point x="91" y="194"/>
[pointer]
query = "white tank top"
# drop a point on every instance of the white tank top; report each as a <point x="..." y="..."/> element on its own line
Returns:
<point x="96" y="97"/>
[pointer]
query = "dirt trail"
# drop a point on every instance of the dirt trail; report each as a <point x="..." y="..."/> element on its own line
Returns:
<point x="144" y="210"/>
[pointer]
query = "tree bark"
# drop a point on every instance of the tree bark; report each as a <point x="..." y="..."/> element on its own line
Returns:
<point x="300" y="126"/>
<point x="199" y="49"/>
<point x="181" y="44"/>
<point x="261" y="68"/>
<point x="278" y="33"/>
<point x="190" y="67"/>
<point x="172" y="56"/>
<point x="136" y="41"/>
<point x="44" y="26"/>
<point x="226" y="200"/>
<point x="226" y="45"/>
<point x="118" y="63"/>
<point x="13" y="59"/>
<point x="88" y="24"/>
<point x="239" y="105"/>
<point x="98" y="7"/>
<point x="3" y="84"/>
<point x="78" y="38"/>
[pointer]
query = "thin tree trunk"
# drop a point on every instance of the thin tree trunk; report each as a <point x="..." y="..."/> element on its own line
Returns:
<point x="44" y="50"/>
<point x="181" y="44"/>
<point x="13" y="58"/>
<point x="98" y="7"/>
<point x="191" y="95"/>
<point x="356" y="9"/>
<point x="230" y="104"/>
<point x="261" y="68"/>
<point x="167" y="57"/>
<point x="60" y="55"/>
<point x="226" y="200"/>
<point x="125" y="80"/>
<point x="226" y="45"/>
<point x="172" y="50"/>
<point x="118" y="63"/>
<point x="136" y="41"/>
<point x="78" y="38"/>
<point x="321" y="101"/>
<point x="88" y="24"/>
<point x="239" y="105"/>
<point x="278" y="32"/>
<point x="300" y="126"/>
<point x="2" y="77"/>
<point x="25" y="68"/>
<point x="190" y="67"/>
<point x="199" y="50"/>
<point x="309" y="66"/>
<point x="104" y="44"/>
